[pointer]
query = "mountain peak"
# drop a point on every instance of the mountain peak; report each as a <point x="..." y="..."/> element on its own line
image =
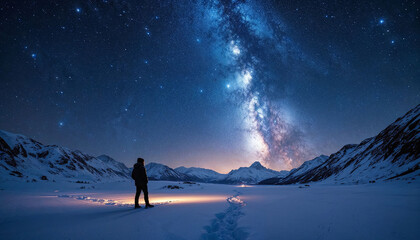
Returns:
<point x="105" y="158"/>
<point x="155" y="164"/>
<point x="257" y="165"/>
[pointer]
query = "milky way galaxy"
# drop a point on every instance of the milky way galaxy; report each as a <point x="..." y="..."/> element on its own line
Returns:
<point x="243" y="34"/>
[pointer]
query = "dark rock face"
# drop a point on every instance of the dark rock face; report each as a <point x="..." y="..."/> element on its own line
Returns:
<point x="393" y="154"/>
<point x="16" y="173"/>
<point x="6" y="154"/>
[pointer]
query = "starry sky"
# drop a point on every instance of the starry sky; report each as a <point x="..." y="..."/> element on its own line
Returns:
<point x="215" y="84"/>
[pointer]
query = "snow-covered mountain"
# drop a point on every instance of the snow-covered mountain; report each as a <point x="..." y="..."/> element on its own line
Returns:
<point x="157" y="171"/>
<point x="252" y="174"/>
<point x="249" y="175"/>
<point x="393" y="154"/>
<point x="27" y="159"/>
<point x="201" y="174"/>
<point x="305" y="167"/>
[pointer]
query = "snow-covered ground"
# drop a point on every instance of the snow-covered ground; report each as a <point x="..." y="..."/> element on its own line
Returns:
<point x="47" y="210"/>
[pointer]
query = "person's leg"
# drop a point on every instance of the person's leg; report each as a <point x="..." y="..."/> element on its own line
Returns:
<point x="136" y="199"/>
<point x="146" y="194"/>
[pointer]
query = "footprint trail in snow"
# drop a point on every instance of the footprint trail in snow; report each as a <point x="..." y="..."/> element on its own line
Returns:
<point x="225" y="225"/>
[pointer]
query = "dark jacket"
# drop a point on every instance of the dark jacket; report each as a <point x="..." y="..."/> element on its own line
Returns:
<point x="139" y="174"/>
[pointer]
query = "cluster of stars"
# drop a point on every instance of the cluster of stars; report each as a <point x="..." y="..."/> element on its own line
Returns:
<point x="382" y="22"/>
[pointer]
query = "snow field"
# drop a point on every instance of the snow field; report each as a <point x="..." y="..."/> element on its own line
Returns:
<point x="210" y="211"/>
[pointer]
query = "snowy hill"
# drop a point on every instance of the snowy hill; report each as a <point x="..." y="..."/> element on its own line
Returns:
<point x="252" y="174"/>
<point x="393" y="154"/>
<point x="157" y="171"/>
<point x="201" y="174"/>
<point x="27" y="159"/>
<point x="300" y="171"/>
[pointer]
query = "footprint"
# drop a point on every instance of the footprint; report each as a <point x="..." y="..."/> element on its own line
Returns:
<point x="225" y="225"/>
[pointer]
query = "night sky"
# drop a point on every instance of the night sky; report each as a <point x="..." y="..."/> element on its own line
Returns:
<point x="207" y="83"/>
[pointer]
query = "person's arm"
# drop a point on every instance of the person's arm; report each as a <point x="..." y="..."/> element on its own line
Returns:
<point x="133" y="175"/>
<point x="146" y="179"/>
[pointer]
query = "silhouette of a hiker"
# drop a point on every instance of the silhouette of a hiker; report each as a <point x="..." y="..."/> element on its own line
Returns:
<point x="140" y="177"/>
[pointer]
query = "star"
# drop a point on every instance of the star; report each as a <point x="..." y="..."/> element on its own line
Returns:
<point x="60" y="124"/>
<point x="78" y="10"/>
<point x="236" y="50"/>
<point x="33" y="55"/>
<point x="392" y="41"/>
<point x="201" y="90"/>
<point x="228" y="85"/>
<point x="381" y="21"/>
